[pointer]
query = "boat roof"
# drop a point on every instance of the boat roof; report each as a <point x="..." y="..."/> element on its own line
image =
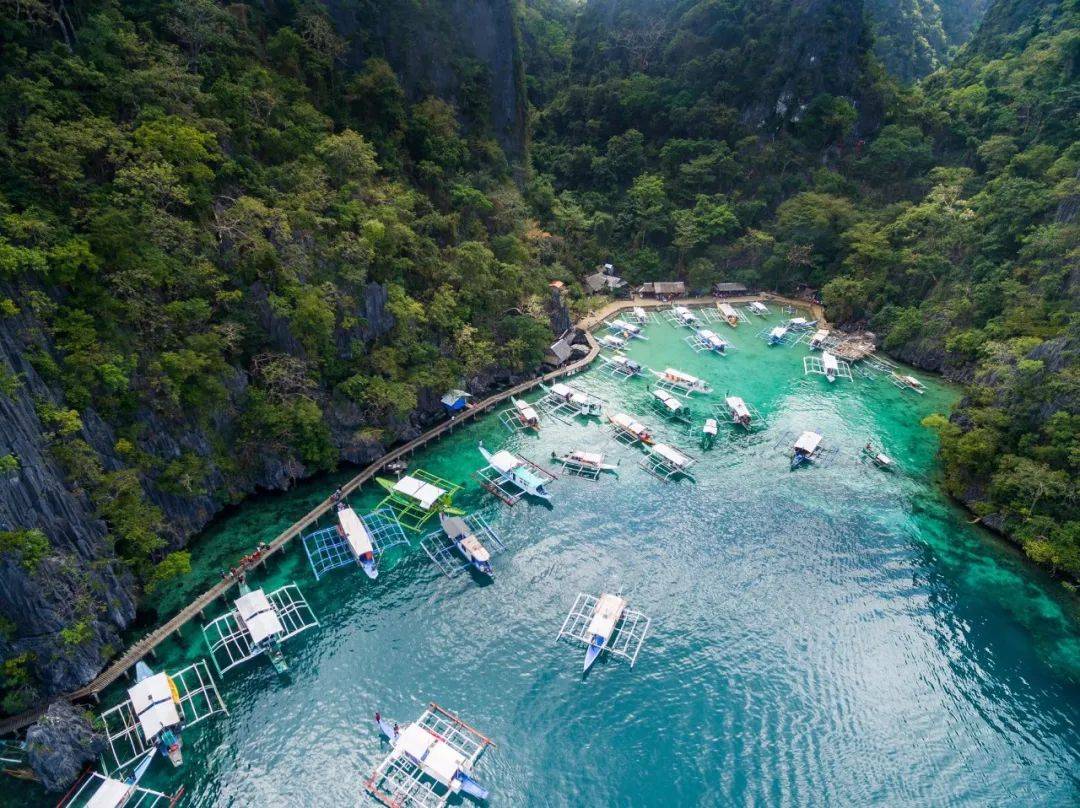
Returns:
<point x="258" y="616"/>
<point x="588" y="457"/>
<point x="681" y="310"/>
<point x="808" y="442"/>
<point x="680" y="374"/>
<point x="426" y="493"/>
<point x="454" y="526"/>
<point x="669" y="401"/>
<point x="561" y="389"/>
<point x="110" y="794"/>
<point x="820" y="334"/>
<point x="710" y="427"/>
<point x="673" y="456"/>
<point x="606" y="614"/>
<point x="779" y="331"/>
<point x="152" y="700"/>
<point x="757" y="304"/>
<point x="798" y="321"/>
<point x="356" y="533"/>
<point x="706" y="333"/>
<point x="638" y="310"/>
<point x="728" y="310"/>
<point x="438" y="758"/>
<point x="737" y="404"/>
<point x="504" y="461"/>
<point x="829" y="361"/>
<point x="913" y="380"/>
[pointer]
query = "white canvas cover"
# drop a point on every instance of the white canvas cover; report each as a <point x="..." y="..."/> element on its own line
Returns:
<point x="626" y="422"/>
<point x="527" y="412"/>
<point x="711" y="427"/>
<point x="737" y="406"/>
<point x="639" y="312"/>
<point x="728" y="311"/>
<point x="682" y="311"/>
<point x="153" y="703"/>
<point x="778" y="332"/>
<point x="607" y="613"/>
<point x="758" y="306"/>
<point x="110" y="794"/>
<point x="673" y="404"/>
<point x="625" y="326"/>
<point x="797" y="321"/>
<point x="504" y="461"/>
<point x="819" y="336"/>
<point x="356" y="535"/>
<point x="589" y="458"/>
<point x="808" y="442"/>
<point x="562" y="390"/>
<point x="258" y="616"/>
<point x="679" y="376"/>
<point x="673" y="456"/>
<point x="437" y="758"/>
<point x="425" y="493"/>
<point x="829" y="362"/>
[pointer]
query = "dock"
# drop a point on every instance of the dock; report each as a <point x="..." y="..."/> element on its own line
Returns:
<point x="195" y="611"/>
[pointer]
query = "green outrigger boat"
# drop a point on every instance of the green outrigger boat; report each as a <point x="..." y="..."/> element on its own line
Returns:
<point x="415" y="498"/>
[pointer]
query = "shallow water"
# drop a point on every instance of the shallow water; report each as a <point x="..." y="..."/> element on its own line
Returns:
<point x="836" y="635"/>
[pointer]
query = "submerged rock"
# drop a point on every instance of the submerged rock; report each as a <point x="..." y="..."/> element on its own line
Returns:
<point x="60" y="745"/>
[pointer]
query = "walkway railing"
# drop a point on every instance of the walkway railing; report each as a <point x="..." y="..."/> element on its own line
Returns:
<point x="148" y="643"/>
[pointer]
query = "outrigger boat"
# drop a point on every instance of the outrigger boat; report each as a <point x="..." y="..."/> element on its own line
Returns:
<point x="611" y="341"/>
<point x="727" y="311"/>
<point x="458" y="531"/>
<point x="625" y="366"/>
<point x="359" y="540"/>
<point x="801" y="324"/>
<point x="667" y="402"/>
<point x="528" y="417"/>
<point x="818" y="341"/>
<point x="680" y="380"/>
<point x="430" y="760"/>
<point x="586" y="405"/>
<point x="778" y="335"/>
<point x="683" y="316"/>
<point x="415" y="498"/>
<point x="831" y="366"/>
<point x="740" y="413"/>
<point x="609" y="611"/>
<point x="626" y="328"/>
<point x="879" y="459"/>
<point x="605" y="624"/>
<point x="158" y="709"/>
<point x="588" y="464"/>
<point x="354" y="541"/>
<point x="97" y="790"/>
<point x="515" y="470"/>
<point x="758" y="308"/>
<point x="667" y="462"/>
<point x="709" y="432"/>
<point x="805" y="448"/>
<point x="712" y="341"/>
<point x="909" y="382"/>
<point x="639" y="314"/>
<point x="630" y="428"/>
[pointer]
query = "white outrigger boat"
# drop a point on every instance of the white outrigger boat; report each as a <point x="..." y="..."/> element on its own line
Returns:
<point x="463" y="543"/>
<point x="908" y="383"/>
<point x="359" y="540"/>
<point x="709" y="432"/>
<point x="674" y="379"/>
<point x="508" y="468"/>
<point x="879" y="459"/>
<point x="758" y="308"/>
<point x="639" y="315"/>
<point x="623" y="366"/>
<point x="584" y="464"/>
<point x="777" y="335"/>
<point x="727" y="311"/>
<point x="740" y="413"/>
<point x="97" y="790"/>
<point x="819" y="340"/>
<point x="354" y="540"/>
<point x="605" y="624"/>
<point x="158" y="709"/>
<point x="828" y="366"/>
<point x="430" y="760"/>
<point x="666" y="462"/>
<point x="565" y="396"/>
<point x="611" y="341"/>
<point x="806" y="448"/>
<point x="670" y="405"/>
<point x="828" y="361"/>
<point x="526" y="415"/>
<point x="463" y="537"/>
<point x="712" y="341"/>
<point x="801" y="324"/>
<point x="630" y="429"/>
<point x="625" y="329"/>
<point x="684" y="316"/>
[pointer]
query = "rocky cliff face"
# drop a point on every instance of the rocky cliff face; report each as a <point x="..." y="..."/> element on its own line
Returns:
<point x="61" y="744"/>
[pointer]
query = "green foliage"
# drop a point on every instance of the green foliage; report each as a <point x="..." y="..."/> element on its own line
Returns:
<point x="174" y="565"/>
<point x="17" y="683"/>
<point x="9" y="464"/>
<point x="30" y="547"/>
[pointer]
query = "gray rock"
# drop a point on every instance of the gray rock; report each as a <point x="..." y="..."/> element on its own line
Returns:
<point x="60" y="745"/>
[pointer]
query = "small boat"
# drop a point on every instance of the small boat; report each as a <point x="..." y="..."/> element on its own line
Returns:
<point x="515" y="470"/>
<point x="585" y="461"/>
<point x="437" y="758"/>
<point x="528" y="417"/>
<point x="817" y="342"/>
<point x="777" y="335"/>
<point x="831" y="366"/>
<point x="909" y="382"/>
<point x="609" y="609"/>
<point x="625" y="327"/>
<point x="712" y="340"/>
<point x="387" y="728"/>
<point x="709" y="432"/>
<point x="611" y="341"/>
<point x="801" y="324"/>
<point x="683" y="381"/>
<point x="587" y="405"/>
<point x="256" y="614"/>
<point x="417" y="491"/>
<point x="632" y="428"/>
<point x="685" y="317"/>
<point x="727" y="311"/>
<point x="627" y="365"/>
<point x="805" y="448"/>
<point x="759" y="308"/>
<point x="640" y="315"/>
<point x="457" y="530"/>
<point x="155" y="701"/>
<point x="879" y="459"/>
<point x="740" y="413"/>
<point x="671" y="459"/>
<point x="356" y="535"/>
<point x="667" y="401"/>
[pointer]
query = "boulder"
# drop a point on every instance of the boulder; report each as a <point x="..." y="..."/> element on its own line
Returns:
<point x="60" y="745"/>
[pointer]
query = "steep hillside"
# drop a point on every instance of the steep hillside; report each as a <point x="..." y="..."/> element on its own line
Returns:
<point x="913" y="38"/>
<point x="238" y="244"/>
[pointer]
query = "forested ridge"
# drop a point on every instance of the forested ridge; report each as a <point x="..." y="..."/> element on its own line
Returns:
<point x="241" y="243"/>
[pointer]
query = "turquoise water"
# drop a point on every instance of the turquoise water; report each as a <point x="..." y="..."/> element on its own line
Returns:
<point x="836" y="635"/>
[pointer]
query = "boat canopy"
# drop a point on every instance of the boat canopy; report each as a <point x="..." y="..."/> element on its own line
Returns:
<point x="110" y="794"/>
<point x="671" y="402"/>
<point x="622" y="325"/>
<point x="913" y="381"/>
<point x="504" y="461"/>
<point x="797" y="322"/>
<point x="808" y="442"/>
<point x="436" y="757"/>
<point x="728" y="310"/>
<point x="626" y="422"/>
<point x="758" y="306"/>
<point x="258" y="616"/>
<point x="590" y="458"/>
<point x="424" y="493"/>
<point x="153" y="702"/>
<point x="562" y="390"/>
<point x="829" y="362"/>
<point x="737" y="406"/>
<point x="356" y="533"/>
<point x="711" y="427"/>
<point x="639" y="312"/>
<point x="673" y="456"/>
<point x="778" y="332"/>
<point x="455" y="400"/>
<point x="607" y="613"/>
<point x="681" y="376"/>
<point x="819" y="336"/>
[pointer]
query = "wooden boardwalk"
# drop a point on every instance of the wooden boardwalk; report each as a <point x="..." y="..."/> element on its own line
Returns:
<point x="148" y="643"/>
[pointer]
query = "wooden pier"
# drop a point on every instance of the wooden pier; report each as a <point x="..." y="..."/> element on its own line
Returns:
<point x="147" y="645"/>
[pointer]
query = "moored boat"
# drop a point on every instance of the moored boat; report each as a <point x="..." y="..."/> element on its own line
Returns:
<point x="515" y="470"/>
<point x="806" y="446"/>
<point x="685" y="316"/>
<point x="528" y="416"/>
<point x="759" y="308"/>
<point x="777" y="335"/>
<point x="831" y="366"/>
<point x="585" y="461"/>
<point x="458" y="531"/>
<point x="818" y="341"/>
<point x="669" y="403"/>
<point x="155" y="701"/>
<point x="727" y="311"/>
<point x="358" y="539"/>
<point x="609" y="609"/>
<point x="611" y="341"/>
<point x="631" y="428"/>
<point x="683" y="381"/>
<point x="711" y="340"/>
<point x="740" y="413"/>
